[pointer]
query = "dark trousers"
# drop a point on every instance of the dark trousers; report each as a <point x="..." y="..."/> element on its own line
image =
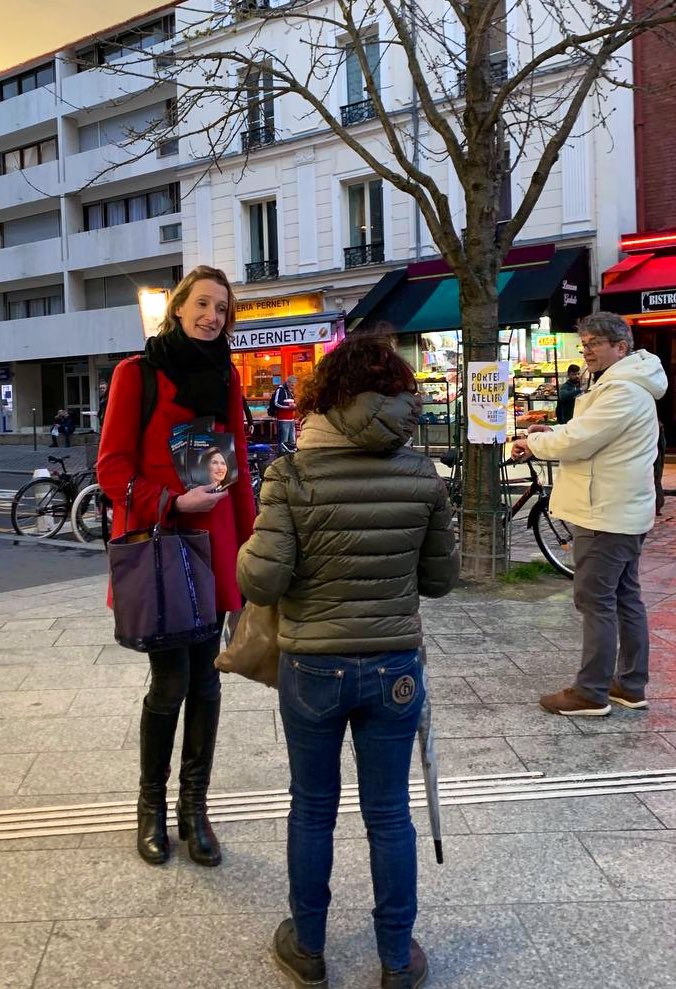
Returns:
<point x="607" y="593"/>
<point x="186" y="672"/>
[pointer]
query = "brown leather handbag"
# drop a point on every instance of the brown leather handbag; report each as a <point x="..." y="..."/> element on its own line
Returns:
<point x="253" y="651"/>
<point x="164" y="592"/>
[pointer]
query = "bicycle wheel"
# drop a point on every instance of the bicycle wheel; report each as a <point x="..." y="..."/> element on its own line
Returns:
<point x="86" y="514"/>
<point x="555" y="539"/>
<point x="40" y="508"/>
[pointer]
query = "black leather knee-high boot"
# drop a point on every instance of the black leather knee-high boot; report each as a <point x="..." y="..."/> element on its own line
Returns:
<point x="199" y="741"/>
<point x="157" y="742"/>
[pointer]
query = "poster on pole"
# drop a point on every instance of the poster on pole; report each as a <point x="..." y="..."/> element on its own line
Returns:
<point x="488" y="393"/>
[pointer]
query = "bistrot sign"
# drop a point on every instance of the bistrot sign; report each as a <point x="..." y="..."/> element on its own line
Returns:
<point x="487" y="395"/>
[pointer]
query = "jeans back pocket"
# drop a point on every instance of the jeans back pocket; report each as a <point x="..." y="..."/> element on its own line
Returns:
<point x="315" y="689"/>
<point x="402" y="685"/>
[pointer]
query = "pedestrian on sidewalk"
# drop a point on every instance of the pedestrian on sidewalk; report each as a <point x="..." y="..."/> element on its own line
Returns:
<point x="195" y="377"/>
<point x="568" y="392"/>
<point x="55" y="430"/>
<point x="284" y="407"/>
<point x="67" y="425"/>
<point x="605" y="488"/>
<point x="351" y="530"/>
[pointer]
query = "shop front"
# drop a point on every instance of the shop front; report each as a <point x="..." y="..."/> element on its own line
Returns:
<point x="642" y="288"/>
<point x="276" y="338"/>
<point x="542" y="294"/>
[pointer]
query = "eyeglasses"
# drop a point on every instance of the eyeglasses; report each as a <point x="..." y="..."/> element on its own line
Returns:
<point x="592" y="344"/>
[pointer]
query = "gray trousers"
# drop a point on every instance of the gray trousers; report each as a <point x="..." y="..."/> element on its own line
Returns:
<point x="607" y="593"/>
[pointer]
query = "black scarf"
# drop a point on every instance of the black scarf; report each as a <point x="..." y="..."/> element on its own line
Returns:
<point x="200" y="369"/>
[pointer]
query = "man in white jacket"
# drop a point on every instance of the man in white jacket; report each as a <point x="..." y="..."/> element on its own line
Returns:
<point x="605" y="488"/>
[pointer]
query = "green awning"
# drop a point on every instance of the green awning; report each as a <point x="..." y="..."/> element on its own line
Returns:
<point x="417" y="305"/>
<point x="441" y="311"/>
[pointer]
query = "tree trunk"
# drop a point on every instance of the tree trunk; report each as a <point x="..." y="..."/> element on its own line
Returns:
<point x="483" y="532"/>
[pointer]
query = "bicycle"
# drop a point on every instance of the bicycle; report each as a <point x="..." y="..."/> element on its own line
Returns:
<point x="553" y="536"/>
<point x="260" y="455"/>
<point x="40" y="508"/>
<point x="87" y="514"/>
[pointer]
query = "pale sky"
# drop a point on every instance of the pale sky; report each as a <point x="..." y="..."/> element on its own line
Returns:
<point x="34" y="27"/>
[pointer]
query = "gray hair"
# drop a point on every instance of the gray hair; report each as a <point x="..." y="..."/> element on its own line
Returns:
<point x="608" y="325"/>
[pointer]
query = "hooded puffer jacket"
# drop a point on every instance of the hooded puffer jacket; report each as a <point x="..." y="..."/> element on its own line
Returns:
<point x="352" y="529"/>
<point x="605" y="481"/>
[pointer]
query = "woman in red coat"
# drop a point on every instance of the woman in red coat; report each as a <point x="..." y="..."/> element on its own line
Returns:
<point x="195" y="377"/>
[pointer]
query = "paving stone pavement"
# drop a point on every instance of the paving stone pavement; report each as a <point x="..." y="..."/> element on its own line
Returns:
<point x="540" y="894"/>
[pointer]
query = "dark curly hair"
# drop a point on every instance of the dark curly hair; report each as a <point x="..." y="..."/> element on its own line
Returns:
<point x="361" y="362"/>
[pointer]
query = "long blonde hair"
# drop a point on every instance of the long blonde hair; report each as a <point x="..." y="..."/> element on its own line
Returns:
<point x="182" y="291"/>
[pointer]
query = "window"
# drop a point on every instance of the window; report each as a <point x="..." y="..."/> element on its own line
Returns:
<point x="497" y="47"/>
<point x="26" y="82"/>
<point x="33" y="154"/>
<point x="260" y="108"/>
<point x="138" y="39"/>
<point x="34" y="302"/>
<point x="149" y="120"/>
<point x="170" y="232"/>
<point x="30" y="229"/>
<point x="140" y="206"/>
<point x="505" y="204"/>
<point x="122" y="290"/>
<point x="263" y="241"/>
<point x="365" y="224"/>
<point x="359" y="104"/>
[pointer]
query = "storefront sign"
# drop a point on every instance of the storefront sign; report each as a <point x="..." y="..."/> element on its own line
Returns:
<point x="281" y="336"/>
<point x="280" y="306"/>
<point x="658" y="300"/>
<point x="570" y="290"/>
<point x="543" y="342"/>
<point x="488" y="383"/>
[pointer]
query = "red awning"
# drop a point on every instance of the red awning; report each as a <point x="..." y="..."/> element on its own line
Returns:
<point x="640" y="272"/>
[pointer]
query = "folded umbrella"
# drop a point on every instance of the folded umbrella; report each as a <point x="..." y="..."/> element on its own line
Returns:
<point x="428" y="755"/>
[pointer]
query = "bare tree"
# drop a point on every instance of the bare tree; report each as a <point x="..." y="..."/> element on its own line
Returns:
<point x="486" y="75"/>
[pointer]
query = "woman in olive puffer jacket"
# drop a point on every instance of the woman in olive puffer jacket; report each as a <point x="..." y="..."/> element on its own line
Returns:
<point x="352" y="529"/>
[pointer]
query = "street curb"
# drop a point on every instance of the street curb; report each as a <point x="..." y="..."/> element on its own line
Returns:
<point x="49" y="543"/>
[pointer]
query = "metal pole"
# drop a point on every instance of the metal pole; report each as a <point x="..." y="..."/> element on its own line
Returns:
<point x="35" y="432"/>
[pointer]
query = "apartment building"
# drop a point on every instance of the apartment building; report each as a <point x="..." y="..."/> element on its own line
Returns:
<point x="306" y="229"/>
<point x="84" y="221"/>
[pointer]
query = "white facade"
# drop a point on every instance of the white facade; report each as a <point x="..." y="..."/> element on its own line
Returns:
<point x="69" y="269"/>
<point x="588" y="200"/>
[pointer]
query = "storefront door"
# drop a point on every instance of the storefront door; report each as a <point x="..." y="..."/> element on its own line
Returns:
<point x="662" y="341"/>
<point x="77" y="391"/>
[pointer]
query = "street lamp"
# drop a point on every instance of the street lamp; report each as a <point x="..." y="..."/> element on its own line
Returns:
<point x="153" y="305"/>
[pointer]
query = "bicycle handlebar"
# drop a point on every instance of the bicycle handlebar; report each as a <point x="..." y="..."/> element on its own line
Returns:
<point x="58" y="460"/>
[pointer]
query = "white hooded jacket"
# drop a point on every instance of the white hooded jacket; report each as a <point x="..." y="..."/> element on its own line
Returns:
<point x="606" y="451"/>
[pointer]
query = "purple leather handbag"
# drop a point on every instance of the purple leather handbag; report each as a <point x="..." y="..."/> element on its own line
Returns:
<point x="164" y="592"/>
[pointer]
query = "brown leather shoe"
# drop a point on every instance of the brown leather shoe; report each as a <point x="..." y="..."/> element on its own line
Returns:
<point x="303" y="968"/>
<point x="636" y="701"/>
<point x="411" y="977"/>
<point x="568" y="701"/>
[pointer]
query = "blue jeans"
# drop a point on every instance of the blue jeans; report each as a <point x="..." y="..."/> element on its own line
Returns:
<point x="380" y="696"/>
<point x="286" y="433"/>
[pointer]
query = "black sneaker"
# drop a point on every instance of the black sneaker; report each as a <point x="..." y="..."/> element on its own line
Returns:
<point x="304" y="969"/>
<point x="411" y="977"/>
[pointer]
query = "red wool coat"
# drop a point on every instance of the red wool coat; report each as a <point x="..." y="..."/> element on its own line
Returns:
<point x="124" y="453"/>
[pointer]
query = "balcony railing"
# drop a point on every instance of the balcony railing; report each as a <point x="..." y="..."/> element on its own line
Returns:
<point x="262" y="271"/>
<point x="365" y="254"/>
<point x="354" y="113"/>
<point x="248" y="8"/>
<point x="257" y="137"/>
<point x="499" y="74"/>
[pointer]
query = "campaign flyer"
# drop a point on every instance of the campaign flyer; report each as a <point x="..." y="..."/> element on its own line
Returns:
<point x="202" y="456"/>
